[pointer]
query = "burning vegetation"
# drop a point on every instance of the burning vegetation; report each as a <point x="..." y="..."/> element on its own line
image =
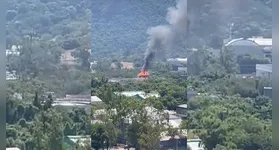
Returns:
<point x="143" y="74"/>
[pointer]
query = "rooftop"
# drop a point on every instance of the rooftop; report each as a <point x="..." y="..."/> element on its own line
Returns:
<point x="262" y="41"/>
<point x="67" y="104"/>
<point x="95" y="99"/>
<point x="182" y="106"/>
<point x="12" y="148"/>
<point x="81" y="98"/>
<point x="268" y="88"/>
<point x="256" y="40"/>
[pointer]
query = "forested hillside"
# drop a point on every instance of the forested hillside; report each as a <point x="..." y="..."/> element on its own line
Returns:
<point x="120" y="26"/>
<point x="62" y="21"/>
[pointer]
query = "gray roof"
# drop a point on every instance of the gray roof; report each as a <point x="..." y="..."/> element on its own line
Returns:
<point x="268" y="88"/>
<point x="250" y="41"/>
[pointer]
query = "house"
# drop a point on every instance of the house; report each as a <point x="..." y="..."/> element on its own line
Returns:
<point x="178" y="64"/>
<point x="268" y="92"/>
<point x="67" y="58"/>
<point x="127" y="65"/>
<point x="253" y="46"/>
<point x="138" y="94"/>
<point x="264" y="71"/>
<point x="74" y="140"/>
<point x="181" y="110"/>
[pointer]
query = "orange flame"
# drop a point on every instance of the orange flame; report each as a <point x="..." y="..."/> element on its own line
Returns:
<point x="143" y="74"/>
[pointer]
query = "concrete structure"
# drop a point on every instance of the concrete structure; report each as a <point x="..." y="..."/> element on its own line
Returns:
<point x="256" y="46"/>
<point x="264" y="70"/>
<point x="268" y="92"/>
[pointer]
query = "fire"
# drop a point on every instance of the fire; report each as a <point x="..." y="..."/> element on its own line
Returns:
<point x="143" y="74"/>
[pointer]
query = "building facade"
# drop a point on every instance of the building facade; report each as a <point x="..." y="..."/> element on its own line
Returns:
<point x="268" y="92"/>
<point x="264" y="71"/>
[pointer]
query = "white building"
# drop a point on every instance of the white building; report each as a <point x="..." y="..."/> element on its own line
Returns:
<point x="255" y="46"/>
<point x="264" y="70"/>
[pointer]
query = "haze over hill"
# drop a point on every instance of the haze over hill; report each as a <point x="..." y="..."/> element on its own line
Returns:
<point x="121" y="26"/>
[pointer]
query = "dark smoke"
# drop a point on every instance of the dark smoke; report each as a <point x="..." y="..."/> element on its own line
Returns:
<point x="161" y="37"/>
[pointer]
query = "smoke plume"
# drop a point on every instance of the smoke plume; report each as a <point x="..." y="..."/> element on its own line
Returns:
<point x="161" y="37"/>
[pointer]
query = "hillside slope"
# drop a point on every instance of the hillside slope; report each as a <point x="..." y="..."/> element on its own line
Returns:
<point x="120" y="26"/>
